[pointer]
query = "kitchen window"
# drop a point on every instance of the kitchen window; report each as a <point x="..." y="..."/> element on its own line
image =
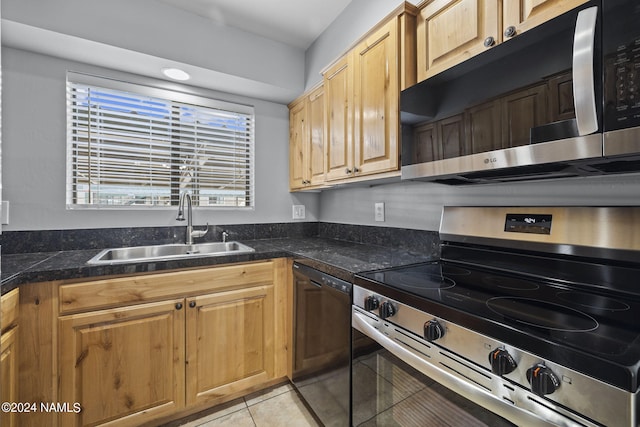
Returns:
<point x="131" y="145"/>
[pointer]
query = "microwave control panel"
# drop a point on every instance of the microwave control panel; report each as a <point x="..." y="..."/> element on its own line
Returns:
<point x="622" y="67"/>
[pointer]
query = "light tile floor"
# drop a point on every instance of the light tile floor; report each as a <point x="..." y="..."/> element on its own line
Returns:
<point x="279" y="406"/>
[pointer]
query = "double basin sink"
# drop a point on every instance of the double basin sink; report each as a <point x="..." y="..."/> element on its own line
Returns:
<point x="168" y="252"/>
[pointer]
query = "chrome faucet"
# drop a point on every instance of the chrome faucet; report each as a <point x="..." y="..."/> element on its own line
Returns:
<point x="190" y="232"/>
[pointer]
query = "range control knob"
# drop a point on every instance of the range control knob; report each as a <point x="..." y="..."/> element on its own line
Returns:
<point x="387" y="310"/>
<point x="542" y="379"/>
<point x="371" y="303"/>
<point x="433" y="330"/>
<point x="502" y="363"/>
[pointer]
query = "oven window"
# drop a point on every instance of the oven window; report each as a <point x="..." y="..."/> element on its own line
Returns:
<point x="388" y="392"/>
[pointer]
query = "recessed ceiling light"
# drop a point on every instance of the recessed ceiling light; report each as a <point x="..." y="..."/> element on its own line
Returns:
<point x="176" y="74"/>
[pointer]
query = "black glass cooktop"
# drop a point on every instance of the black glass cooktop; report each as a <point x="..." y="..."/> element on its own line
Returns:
<point x="575" y="324"/>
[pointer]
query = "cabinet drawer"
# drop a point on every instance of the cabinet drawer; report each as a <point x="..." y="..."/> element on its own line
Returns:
<point x="8" y="309"/>
<point x="130" y="290"/>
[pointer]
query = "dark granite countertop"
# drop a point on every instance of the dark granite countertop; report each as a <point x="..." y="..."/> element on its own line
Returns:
<point x="338" y="258"/>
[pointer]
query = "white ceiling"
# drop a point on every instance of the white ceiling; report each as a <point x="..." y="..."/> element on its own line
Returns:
<point x="294" y="22"/>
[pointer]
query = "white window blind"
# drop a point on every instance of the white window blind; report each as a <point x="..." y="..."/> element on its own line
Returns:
<point x="136" y="146"/>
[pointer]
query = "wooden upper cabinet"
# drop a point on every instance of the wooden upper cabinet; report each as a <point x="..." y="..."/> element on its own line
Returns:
<point x="297" y="145"/>
<point x="316" y="130"/>
<point x="376" y="94"/>
<point x="522" y="15"/>
<point x="306" y="140"/>
<point x="338" y="85"/>
<point x="362" y="95"/>
<point x="451" y="31"/>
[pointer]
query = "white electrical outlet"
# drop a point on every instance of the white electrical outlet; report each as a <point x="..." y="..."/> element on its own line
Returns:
<point x="298" y="212"/>
<point x="379" y="211"/>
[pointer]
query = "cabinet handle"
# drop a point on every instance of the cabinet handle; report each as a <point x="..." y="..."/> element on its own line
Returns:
<point x="179" y="306"/>
<point x="192" y="304"/>
<point x="489" y="41"/>
<point x="510" y="31"/>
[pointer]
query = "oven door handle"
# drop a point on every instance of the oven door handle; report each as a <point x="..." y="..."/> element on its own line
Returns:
<point x="359" y="322"/>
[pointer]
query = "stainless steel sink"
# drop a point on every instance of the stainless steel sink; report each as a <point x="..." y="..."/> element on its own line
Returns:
<point x="167" y="252"/>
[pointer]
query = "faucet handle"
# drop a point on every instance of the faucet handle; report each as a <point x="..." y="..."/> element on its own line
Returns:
<point x="200" y="233"/>
<point x="225" y="236"/>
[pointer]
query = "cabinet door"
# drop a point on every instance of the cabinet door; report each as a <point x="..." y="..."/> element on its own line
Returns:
<point x="297" y="145"/>
<point x="339" y="146"/>
<point x="315" y="119"/>
<point x="230" y="342"/>
<point x="520" y="112"/>
<point x="376" y="95"/>
<point x="8" y="372"/>
<point x="523" y="15"/>
<point x="451" y="31"/>
<point x="125" y="363"/>
<point x="483" y="127"/>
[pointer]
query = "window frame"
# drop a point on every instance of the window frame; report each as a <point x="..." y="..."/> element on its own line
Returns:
<point x="172" y="96"/>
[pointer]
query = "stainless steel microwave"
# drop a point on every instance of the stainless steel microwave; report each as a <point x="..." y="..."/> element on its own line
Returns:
<point x="559" y="100"/>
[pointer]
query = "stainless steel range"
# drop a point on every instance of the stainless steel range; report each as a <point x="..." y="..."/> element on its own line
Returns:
<point x="532" y="317"/>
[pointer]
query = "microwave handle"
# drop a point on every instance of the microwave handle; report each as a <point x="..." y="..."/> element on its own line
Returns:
<point x="584" y="94"/>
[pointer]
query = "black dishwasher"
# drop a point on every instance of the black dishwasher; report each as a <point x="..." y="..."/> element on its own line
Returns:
<point x="322" y="344"/>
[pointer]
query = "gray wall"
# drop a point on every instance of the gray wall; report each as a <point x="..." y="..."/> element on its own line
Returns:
<point x="34" y="154"/>
<point x="418" y="205"/>
<point x="156" y="28"/>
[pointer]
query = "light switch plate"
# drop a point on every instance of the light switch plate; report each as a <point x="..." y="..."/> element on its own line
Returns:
<point x="298" y="212"/>
<point x="379" y="211"/>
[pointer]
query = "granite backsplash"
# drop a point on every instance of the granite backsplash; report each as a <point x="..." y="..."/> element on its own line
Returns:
<point x="17" y="242"/>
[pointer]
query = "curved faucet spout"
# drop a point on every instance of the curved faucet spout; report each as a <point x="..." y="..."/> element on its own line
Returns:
<point x="185" y="195"/>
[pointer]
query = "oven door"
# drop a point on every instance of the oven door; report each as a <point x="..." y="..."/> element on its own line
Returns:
<point x="399" y="380"/>
<point x="390" y="387"/>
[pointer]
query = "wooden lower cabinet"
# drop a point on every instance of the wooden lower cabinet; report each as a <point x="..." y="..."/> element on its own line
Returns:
<point x="8" y="373"/>
<point x="147" y="361"/>
<point x="124" y="364"/>
<point x="230" y="342"/>
<point x="8" y="355"/>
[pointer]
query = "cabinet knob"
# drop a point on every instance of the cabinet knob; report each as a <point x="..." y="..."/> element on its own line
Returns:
<point x="489" y="41"/>
<point x="347" y="171"/>
<point x="510" y="31"/>
<point x="192" y="304"/>
<point x="356" y="170"/>
<point x="179" y="306"/>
